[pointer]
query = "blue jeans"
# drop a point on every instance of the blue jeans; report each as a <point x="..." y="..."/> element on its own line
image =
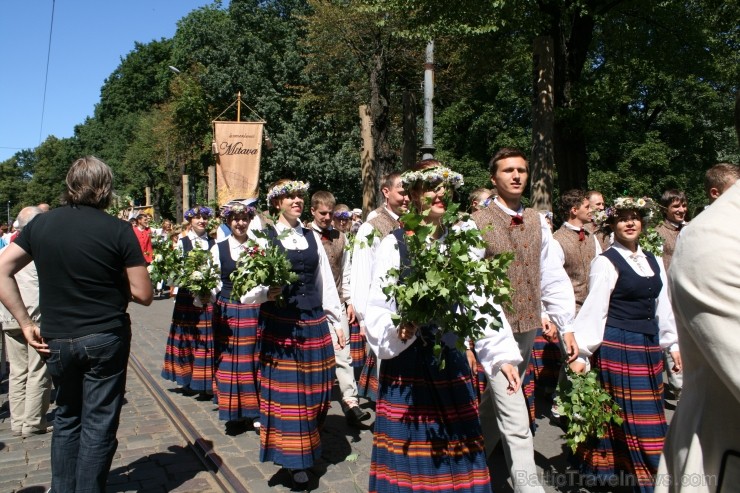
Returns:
<point x="89" y="373"/>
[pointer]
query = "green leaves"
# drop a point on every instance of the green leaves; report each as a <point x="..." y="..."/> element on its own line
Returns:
<point x="652" y="242"/>
<point x="167" y="262"/>
<point x="259" y="266"/>
<point x="444" y="279"/>
<point x="199" y="274"/>
<point x="588" y="408"/>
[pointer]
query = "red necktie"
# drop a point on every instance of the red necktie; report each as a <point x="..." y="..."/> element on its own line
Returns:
<point x="517" y="220"/>
<point x="581" y="234"/>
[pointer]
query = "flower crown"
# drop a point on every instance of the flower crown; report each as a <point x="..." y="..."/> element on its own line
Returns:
<point x="202" y="211"/>
<point x="343" y="215"/>
<point x="286" y="189"/>
<point x="236" y="209"/>
<point x="433" y="175"/>
<point x="645" y="205"/>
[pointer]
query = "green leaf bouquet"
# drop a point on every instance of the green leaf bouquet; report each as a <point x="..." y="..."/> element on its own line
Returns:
<point x="651" y="241"/>
<point x="444" y="280"/>
<point x="261" y="266"/>
<point x="588" y="408"/>
<point x="199" y="274"/>
<point x="167" y="262"/>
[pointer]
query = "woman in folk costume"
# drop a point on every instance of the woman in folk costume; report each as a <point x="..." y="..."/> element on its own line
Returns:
<point x="236" y="327"/>
<point x="189" y="356"/>
<point x="622" y="325"/>
<point x="427" y="435"/>
<point x="297" y="355"/>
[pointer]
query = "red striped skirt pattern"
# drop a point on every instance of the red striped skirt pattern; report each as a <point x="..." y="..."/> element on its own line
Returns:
<point x="427" y="435"/>
<point x="297" y="372"/>
<point x="367" y="384"/>
<point x="631" y="370"/>
<point x="357" y="345"/>
<point x="189" y="357"/>
<point x="542" y="373"/>
<point x="237" y="376"/>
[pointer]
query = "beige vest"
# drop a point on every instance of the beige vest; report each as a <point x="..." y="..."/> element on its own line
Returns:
<point x="670" y="234"/>
<point x="334" y="247"/>
<point x="525" y="241"/>
<point x="603" y="238"/>
<point x="383" y="222"/>
<point x="578" y="257"/>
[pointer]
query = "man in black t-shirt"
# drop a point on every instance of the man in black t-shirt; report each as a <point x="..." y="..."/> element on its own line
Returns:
<point x="89" y="267"/>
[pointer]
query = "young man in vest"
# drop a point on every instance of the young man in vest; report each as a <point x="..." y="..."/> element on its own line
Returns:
<point x="366" y="243"/>
<point x="368" y="239"/>
<point x="537" y="279"/>
<point x="334" y="243"/>
<point x="674" y="205"/>
<point x="596" y="203"/>
<point x="575" y="245"/>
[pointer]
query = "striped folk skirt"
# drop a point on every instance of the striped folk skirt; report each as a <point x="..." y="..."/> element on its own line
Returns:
<point x="542" y="373"/>
<point x="631" y="367"/>
<point x="189" y="357"/>
<point x="237" y="377"/>
<point x="297" y="373"/>
<point x="357" y="345"/>
<point x="428" y="436"/>
<point x="367" y="384"/>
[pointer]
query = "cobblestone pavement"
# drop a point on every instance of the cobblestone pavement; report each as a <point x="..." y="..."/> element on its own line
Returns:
<point x="153" y="456"/>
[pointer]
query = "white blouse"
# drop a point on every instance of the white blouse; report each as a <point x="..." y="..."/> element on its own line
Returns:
<point x="494" y="349"/>
<point x="591" y="320"/>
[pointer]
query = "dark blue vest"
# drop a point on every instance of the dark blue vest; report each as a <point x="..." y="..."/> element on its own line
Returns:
<point x="302" y="294"/>
<point x="187" y="245"/>
<point x="632" y="303"/>
<point x="228" y="265"/>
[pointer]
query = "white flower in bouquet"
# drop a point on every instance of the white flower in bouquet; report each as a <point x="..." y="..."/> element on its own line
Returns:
<point x="196" y="275"/>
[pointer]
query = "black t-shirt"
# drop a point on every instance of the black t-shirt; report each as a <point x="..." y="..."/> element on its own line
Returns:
<point x="81" y="255"/>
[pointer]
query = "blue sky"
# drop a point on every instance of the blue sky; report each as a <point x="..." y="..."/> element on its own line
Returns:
<point x="89" y="39"/>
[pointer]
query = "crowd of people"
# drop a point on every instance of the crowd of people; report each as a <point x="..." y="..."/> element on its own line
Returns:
<point x="585" y="296"/>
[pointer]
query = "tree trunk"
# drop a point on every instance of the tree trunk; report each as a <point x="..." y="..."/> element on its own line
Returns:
<point x="380" y="116"/>
<point x="543" y="118"/>
<point x="409" y="129"/>
<point x="367" y="162"/>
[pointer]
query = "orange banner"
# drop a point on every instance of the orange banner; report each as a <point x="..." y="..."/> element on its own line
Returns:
<point x="238" y="146"/>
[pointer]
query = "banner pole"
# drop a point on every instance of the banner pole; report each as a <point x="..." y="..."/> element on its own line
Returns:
<point x="239" y="106"/>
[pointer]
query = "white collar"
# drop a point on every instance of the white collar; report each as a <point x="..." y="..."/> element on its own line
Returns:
<point x="234" y="243"/>
<point x="574" y="228"/>
<point x="280" y="227"/>
<point x="393" y="214"/>
<point x="626" y="252"/>
<point x="510" y="212"/>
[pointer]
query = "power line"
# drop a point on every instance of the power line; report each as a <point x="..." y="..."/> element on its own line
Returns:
<point x="46" y="76"/>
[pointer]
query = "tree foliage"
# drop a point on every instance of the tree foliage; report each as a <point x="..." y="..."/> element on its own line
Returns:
<point x="644" y="94"/>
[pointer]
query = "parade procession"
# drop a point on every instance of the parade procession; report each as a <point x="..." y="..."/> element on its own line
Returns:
<point x="230" y="282"/>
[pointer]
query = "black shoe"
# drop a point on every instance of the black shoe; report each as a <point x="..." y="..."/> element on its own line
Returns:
<point x="355" y="416"/>
<point x="300" y="479"/>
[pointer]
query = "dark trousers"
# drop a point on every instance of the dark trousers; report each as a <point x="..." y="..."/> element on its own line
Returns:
<point x="89" y="374"/>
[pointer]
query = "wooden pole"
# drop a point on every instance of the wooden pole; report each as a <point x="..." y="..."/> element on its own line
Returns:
<point x="185" y="192"/>
<point x="367" y="161"/>
<point x="148" y="195"/>
<point x="239" y="106"/>
<point x="211" y="184"/>
<point x="542" y="162"/>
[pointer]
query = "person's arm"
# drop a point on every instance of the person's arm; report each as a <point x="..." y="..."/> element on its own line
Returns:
<point x="385" y="338"/>
<point x="668" y="333"/>
<point x="363" y="256"/>
<point x="13" y="259"/>
<point x="591" y="320"/>
<point x="557" y="291"/>
<point x="140" y="285"/>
